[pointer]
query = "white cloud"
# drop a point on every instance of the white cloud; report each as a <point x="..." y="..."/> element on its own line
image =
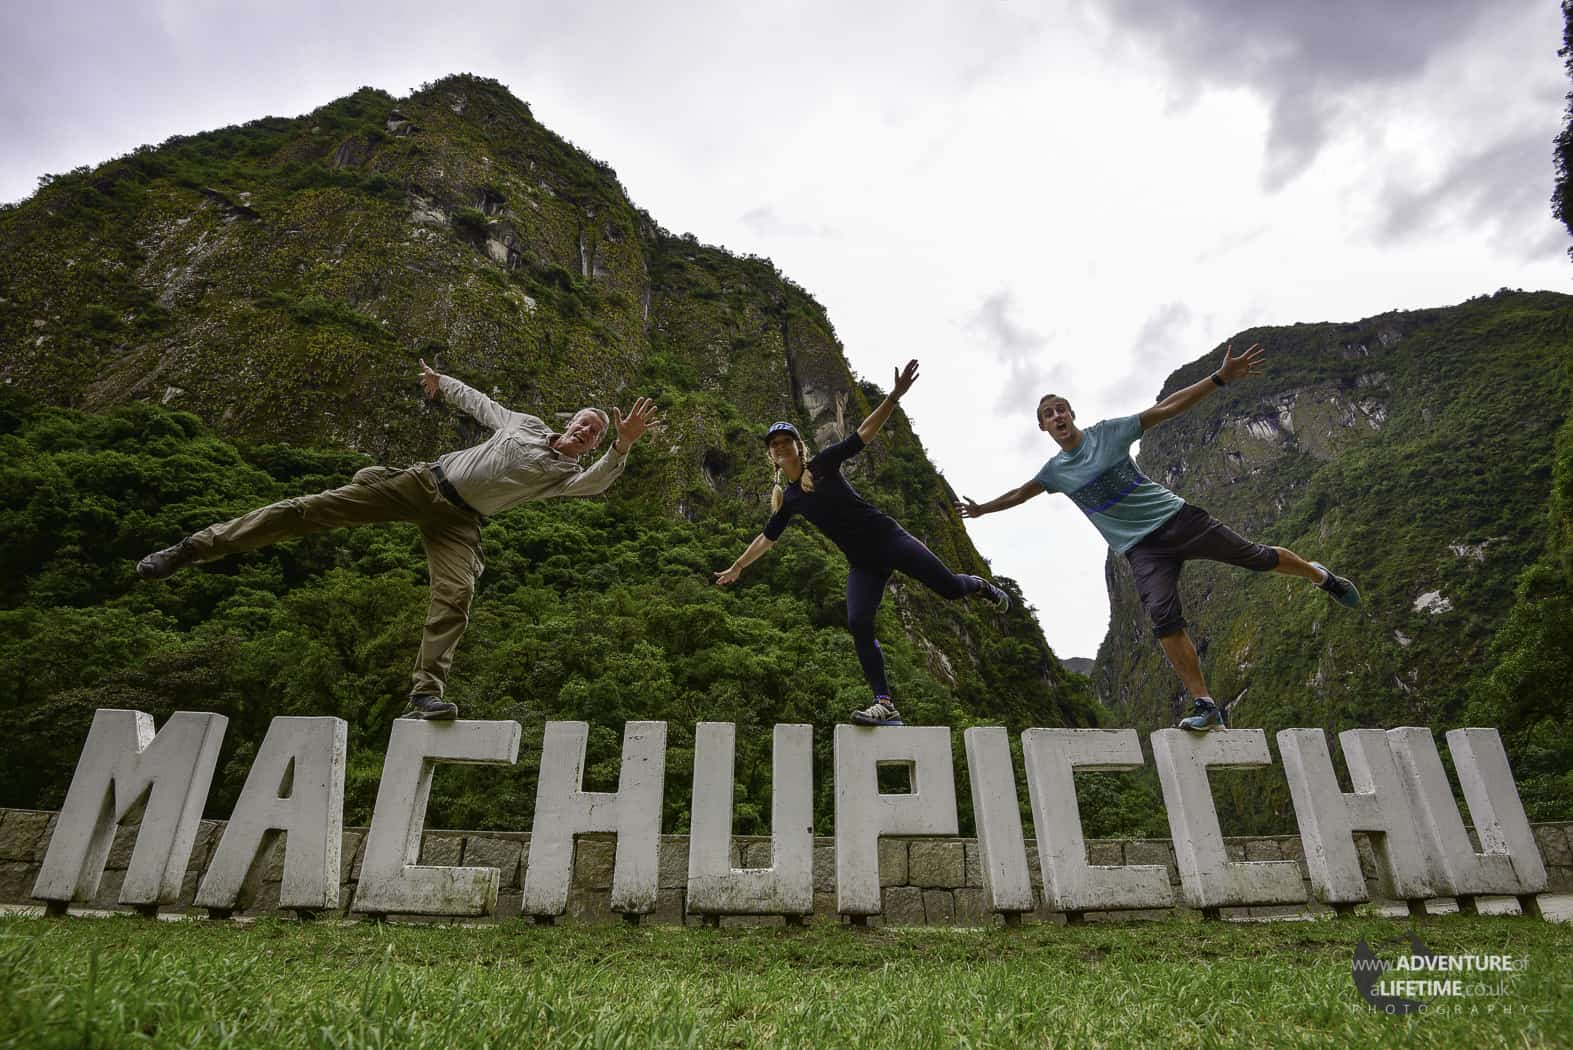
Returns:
<point x="1162" y="345"/>
<point x="1027" y="366"/>
<point x="1306" y="59"/>
<point x="766" y="223"/>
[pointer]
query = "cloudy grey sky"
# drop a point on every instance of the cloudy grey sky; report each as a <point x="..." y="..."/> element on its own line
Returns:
<point x="1083" y="193"/>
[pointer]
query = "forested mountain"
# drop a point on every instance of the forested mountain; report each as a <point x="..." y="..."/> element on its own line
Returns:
<point x="1426" y="455"/>
<point x="234" y="317"/>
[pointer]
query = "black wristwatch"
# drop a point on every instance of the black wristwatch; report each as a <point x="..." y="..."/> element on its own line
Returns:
<point x="1215" y="379"/>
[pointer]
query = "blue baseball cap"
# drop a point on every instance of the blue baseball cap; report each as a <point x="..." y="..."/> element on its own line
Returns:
<point x="782" y="428"/>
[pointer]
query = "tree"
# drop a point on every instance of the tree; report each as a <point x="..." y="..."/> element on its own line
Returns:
<point x="1562" y="195"/>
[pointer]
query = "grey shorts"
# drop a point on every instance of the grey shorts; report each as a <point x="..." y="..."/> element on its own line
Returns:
<point x="1192" y="533"/>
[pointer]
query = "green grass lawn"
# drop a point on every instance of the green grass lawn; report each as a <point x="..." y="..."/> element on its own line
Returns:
<point x="125" y="981"/>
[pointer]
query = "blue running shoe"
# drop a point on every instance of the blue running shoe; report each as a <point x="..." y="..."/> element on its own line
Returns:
<point x="1207" y="716"/>
<point x="881" y="713"/>
<point x="1343" y="592"/>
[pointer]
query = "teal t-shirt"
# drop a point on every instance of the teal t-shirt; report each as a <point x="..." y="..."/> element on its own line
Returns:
<point x="1103" y="480"/>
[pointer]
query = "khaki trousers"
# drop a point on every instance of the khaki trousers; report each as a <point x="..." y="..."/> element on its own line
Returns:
<point x="452" y="538"/>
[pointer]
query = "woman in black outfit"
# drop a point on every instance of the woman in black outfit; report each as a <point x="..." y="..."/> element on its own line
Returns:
<point x="875" y="545"/>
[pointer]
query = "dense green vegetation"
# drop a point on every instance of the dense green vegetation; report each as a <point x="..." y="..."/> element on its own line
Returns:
<point x="592" y="610"/>
<point x="1523" y="686"/>
<point x="124" y="982"/>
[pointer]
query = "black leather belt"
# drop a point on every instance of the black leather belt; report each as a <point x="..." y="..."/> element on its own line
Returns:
<point x="450" y="493"/>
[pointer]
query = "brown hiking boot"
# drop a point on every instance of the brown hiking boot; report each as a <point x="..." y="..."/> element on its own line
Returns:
<point x="162" y="564"/>
<point x="431" y="708"/>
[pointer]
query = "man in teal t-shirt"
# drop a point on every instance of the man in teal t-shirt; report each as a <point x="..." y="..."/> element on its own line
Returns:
<point x="1098" y="474"/>
<point x="1156" y="530"/>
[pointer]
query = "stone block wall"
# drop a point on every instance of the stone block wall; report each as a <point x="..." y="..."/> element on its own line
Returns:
<point x="925" y="881"/>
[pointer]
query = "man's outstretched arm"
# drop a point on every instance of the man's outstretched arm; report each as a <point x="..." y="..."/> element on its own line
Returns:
<point x="466" y="399"/>
<point x="1014" y="498"/>
<point x="609" y="468"/>
<point x="1247" y="364"/>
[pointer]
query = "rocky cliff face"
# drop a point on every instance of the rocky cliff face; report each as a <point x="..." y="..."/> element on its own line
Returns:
<point x="277" y="277"/>
<point x="1413" y="453"/>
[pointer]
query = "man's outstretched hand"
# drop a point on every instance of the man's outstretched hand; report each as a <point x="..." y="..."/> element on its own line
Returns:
<point x="429" y="379"/>
<point x="1247" y="364"/>
<point x="631" y="428"/>
<point x="905" y="377"/>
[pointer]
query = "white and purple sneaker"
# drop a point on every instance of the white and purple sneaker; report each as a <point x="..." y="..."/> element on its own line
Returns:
<point x="881" y="713"/>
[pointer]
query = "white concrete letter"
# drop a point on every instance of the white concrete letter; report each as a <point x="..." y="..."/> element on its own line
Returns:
<point x="787" y="886"/>
<point x="1208" y="879"/>
<point x="997" y="812"/>
<point x="390" y="878"/>
<point x="563" y="810"/>
<point x="295" y="788"/>
<point x="1494" y="804"/>
<point x="1070" y="884"/>
<point x="863" y="814"/>
<point x="1328" y="816"/>
<point x="123" y="761"/>
<point x="1506" y="866"/>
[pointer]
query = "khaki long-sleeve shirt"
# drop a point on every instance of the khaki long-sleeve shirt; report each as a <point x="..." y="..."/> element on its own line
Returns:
<point x="516" y="464"/>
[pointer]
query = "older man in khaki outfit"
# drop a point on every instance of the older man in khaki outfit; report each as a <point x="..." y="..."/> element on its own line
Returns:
<point x="523" y="460"/>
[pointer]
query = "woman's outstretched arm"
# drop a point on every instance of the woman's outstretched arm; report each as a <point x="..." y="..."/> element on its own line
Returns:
<point x="730" y="574"/>
<point x="876" y="419"/>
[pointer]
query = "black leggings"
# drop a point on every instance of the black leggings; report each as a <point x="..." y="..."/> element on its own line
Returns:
<point x="866" y="589"/>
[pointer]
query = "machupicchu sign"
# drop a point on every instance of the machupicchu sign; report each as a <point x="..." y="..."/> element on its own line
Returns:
<point x="1402" y="797"/>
